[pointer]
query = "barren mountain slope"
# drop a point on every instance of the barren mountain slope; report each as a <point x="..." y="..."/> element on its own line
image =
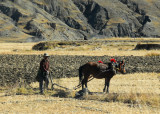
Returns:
<point x="35" y="20"/>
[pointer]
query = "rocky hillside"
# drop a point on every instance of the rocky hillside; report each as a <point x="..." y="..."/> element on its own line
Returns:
<point x="35" y="20"/>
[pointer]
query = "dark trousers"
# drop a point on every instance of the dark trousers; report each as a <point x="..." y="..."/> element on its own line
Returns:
<point x="43" y="78"/>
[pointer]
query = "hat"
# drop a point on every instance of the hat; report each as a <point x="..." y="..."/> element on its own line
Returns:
<point x="46" y="55"/>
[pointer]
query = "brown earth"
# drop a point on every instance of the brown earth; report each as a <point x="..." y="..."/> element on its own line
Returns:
<point x="147" y="46"/>
<point x="14" y="68"/>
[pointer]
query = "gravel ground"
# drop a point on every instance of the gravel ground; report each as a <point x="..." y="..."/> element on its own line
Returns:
<point x="14" y="68"/>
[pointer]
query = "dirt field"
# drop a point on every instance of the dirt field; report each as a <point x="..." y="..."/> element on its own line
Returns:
<point x="136" y="88"/>
<point x="24" y="68"/>
<point x="137" y="92"/>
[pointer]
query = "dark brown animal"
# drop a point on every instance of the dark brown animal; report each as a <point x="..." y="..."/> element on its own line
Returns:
<point x="99" y="71"/>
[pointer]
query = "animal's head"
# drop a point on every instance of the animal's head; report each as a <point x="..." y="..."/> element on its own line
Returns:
<point x="121" y="67"/>
<point x="112" y="67"/>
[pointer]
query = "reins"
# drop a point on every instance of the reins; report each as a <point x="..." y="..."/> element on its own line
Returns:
<point x="74" y="88"/>
<point x="79" y="85"/>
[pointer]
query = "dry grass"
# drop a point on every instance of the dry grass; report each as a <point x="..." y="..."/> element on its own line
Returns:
<point x="153" y="54"/>
<point x="111" y="49"/>
<point x="9" y="27"/>
<point x="42" y="2"/>
<point x="115" y="20"/>
<point x="19" y="37"/>
<point x="130" y="39"/>
<point x="131" y="93"/>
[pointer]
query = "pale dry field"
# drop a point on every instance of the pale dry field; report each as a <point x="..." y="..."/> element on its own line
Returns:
<point x="142" y="83"/>
<point x="137" y="83"/>
<point x="111" y="49"/>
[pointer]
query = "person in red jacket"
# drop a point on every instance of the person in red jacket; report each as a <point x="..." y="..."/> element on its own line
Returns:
<point x="44" y="72"/>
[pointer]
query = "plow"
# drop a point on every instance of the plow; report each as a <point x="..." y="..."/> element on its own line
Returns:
<point x="74" y="88"/>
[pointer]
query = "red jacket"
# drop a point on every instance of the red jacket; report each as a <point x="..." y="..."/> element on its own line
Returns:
<point x="44" y="65"/>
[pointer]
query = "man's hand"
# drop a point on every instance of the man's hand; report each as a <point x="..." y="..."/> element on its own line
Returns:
<point x="47" y="72"/>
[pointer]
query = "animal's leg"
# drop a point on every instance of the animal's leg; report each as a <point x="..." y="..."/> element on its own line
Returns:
<point x="85" y="90"/>
<point x="84" y="81"/>
<point x="107" y="81"/>
<point x="82" y="84"/>
<point x="105" y="86"/>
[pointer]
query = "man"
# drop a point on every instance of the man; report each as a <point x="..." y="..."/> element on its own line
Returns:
<point x="44" y="72"/>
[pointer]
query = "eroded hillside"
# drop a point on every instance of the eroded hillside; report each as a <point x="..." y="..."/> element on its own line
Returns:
<point x="35" y="20"/>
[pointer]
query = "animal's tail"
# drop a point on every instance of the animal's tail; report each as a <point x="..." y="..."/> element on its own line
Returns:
<point x="80" y="73"/>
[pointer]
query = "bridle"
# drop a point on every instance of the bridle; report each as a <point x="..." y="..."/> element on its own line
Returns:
<point x="120" y="66"/>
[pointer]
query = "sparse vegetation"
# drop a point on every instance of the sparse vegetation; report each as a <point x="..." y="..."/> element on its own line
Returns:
<point x="54" y="44"/>
<point x="153" y="54"/>
<point x="135" y="94"/>
<point x="111" y="47"/>
<point x="147" y="46"/>
<point x="151" y="100"/>
<point x="131" y="93"/>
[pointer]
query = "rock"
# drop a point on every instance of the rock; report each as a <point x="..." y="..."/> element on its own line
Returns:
<point x="78" y="19"/>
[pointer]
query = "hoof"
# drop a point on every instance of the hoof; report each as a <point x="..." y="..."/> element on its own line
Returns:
<point x="85" y="91"/>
